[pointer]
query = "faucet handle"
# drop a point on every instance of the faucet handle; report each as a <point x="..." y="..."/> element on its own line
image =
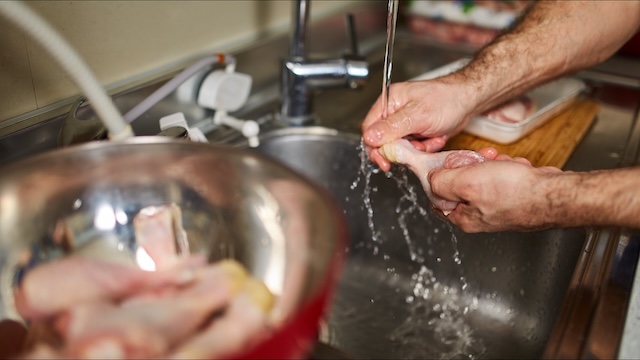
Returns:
<point x="351" y="34"/>
<point x="357" y="67"/>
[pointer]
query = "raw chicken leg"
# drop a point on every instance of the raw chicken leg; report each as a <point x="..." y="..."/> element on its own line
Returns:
<point x="42" y="352"/>
<point x="243" y="323"/>
<point x="159" y="232"/>
<point x="421" y="163"/>
<point x="88" y="329"/>
<point x="100" y="330"/>
<point x="61" y="284"/>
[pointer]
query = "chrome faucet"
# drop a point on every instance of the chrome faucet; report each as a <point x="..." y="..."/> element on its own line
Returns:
<point x="300" y="75"/>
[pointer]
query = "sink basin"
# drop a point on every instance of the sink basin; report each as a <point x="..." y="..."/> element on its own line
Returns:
<point x="415" y="286"/>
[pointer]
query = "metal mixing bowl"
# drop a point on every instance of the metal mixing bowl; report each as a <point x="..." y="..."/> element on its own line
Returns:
<point x="235" y="204"/>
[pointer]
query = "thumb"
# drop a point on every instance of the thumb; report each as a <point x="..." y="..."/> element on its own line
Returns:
<point x="394" y="127"/>
<point x="442" y="184"/>
<point x="443" y="205"/>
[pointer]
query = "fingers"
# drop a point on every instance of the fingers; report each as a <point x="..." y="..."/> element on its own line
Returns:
<point x="522" y="160"/>
<point x="381" y="161"/>
<point x="418" y="145"/>
<point x="550" y="169"/>
<point x="441" y="181"/>
<point x="445" y="206"/>
<point x="435" y="144"/>
<point x="489" y="153"/>
<point x="394" y="127"/>
<point x="463" y="219"/>
<point x="504" y="157"/>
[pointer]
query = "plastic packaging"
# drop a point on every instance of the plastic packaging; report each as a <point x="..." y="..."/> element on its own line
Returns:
<point x="550" y="98"/>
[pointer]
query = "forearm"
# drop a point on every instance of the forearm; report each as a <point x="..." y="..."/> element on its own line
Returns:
<point x="552" y="39"/>
<point x="598" y="198"/>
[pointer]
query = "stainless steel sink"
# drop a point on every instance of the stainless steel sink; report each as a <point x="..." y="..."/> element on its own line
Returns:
<point x="414" y="286"/>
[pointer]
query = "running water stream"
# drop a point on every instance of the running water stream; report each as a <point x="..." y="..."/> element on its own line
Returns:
<point x="392" y="18"/>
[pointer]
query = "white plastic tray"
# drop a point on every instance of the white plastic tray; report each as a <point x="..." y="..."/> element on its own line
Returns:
<point x="550" y="98"/>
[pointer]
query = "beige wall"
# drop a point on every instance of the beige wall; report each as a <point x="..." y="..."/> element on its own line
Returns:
<point x="122" y="39"/>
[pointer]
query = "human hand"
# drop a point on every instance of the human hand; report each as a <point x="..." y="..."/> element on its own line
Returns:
<point x="422" y="163"/>
<point x="425" y="112"/>
<point x="507" y="194"/>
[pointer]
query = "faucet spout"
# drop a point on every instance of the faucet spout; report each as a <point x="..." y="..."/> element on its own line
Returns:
<point x="300" y="75"/>
<point x="299" y="29"/>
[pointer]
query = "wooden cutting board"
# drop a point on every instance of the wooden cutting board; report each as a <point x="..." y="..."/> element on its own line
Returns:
<point x="549" y="145"/>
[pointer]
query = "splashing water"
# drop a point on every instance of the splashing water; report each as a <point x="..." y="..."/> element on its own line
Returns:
<point x="436" y="323"/>
<point x="409" y="196"/>
<point x="456" y="256"/>
<point x="365" y="171"/>
<point x="407" y="205"/>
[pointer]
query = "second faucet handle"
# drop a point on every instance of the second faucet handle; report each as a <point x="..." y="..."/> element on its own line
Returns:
<point x="351" y="34"/>
<point x="357" y="67"/>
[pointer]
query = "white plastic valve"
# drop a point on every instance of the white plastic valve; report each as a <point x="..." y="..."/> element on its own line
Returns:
<point x="178" y="119"/>
<point x="222" y="90"/>
<point x="249" y="128"/>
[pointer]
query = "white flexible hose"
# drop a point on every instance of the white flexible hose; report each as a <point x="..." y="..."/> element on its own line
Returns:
<point x="176" y="81"/>
<point x="40" y="31"/>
